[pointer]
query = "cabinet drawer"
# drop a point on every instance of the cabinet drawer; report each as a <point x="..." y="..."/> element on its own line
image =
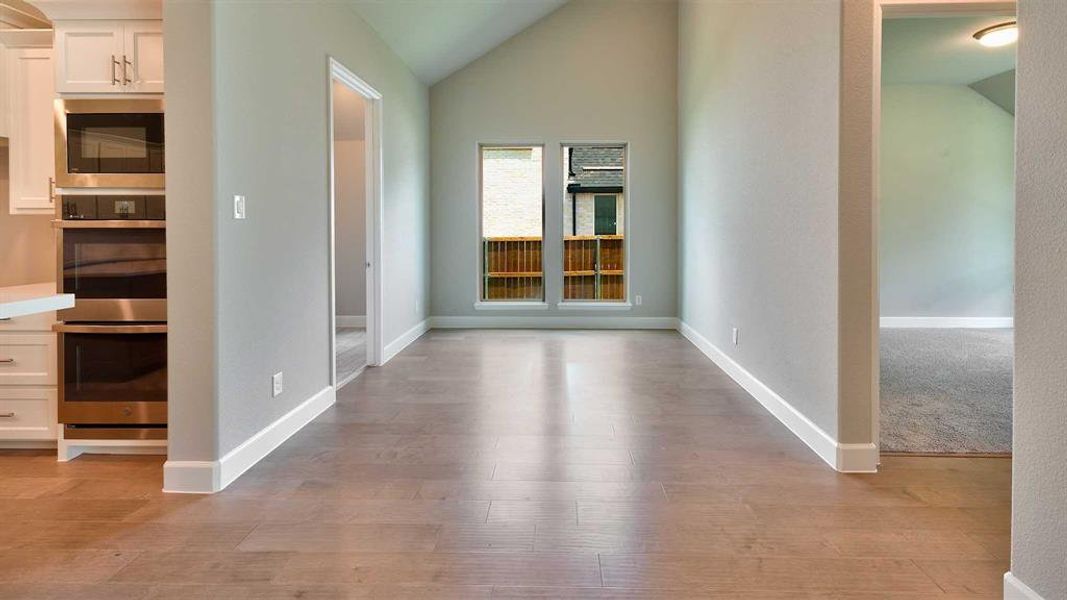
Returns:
<point x="37" y="322"/>
<point x="27" y="413"/>
<point x="28" y="359"/>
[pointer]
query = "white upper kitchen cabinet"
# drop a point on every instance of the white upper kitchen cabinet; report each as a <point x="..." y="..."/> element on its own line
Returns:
<point x="31" y="142"/>
<point x="143" y="43"/>
<point x="109" y="57"/>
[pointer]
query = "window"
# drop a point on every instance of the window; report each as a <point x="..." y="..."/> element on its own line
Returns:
<point x="512" y="223"/>
<point x="594" y="204"/>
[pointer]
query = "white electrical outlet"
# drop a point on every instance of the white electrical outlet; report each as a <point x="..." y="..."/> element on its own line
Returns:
<point x="238" y="207"/>
<point x="416" y="306"/>
<point x="737" y="336"/>
<point x="637" y="299"/>
<point x="277" y="384"/>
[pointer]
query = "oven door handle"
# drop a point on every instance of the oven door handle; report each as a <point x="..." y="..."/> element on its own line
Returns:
<point x="109" y="329"/>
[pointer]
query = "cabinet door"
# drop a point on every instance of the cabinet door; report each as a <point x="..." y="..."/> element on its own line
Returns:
<point x="31" y="147"/>
<point x="89" y="57"/>
<point x="5" y="111"/>
<point x="28" y="413"/>
<point x="143" y="53"/>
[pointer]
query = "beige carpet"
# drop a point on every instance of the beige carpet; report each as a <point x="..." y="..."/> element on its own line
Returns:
<point x="946" y="391"/>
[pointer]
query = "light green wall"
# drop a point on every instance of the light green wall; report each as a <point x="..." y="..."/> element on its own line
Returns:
<point x="575" y="76"/>
<point x="946" y="203"/>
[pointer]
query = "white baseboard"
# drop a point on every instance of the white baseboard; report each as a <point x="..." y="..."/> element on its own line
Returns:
<point x="553" y="322"/>
<point x="191" y="477"/>
<point x="394" y="347"/>
<point x="847" y="458"/>
<point x="27" y="444"/>
<point x="1017" y="590"/>
<point x="206" y="477"/>
<point x="947" y="322"/>
<point x="351" y="320"/>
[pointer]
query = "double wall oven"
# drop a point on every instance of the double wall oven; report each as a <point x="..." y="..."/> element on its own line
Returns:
<point x="111" y="241"/>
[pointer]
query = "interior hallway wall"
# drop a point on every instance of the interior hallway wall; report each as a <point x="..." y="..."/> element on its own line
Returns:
<point x="1039" y="475"/>
<point x="758" y="204"/>
<point x="947" y="203"/>
<point x="350" y="217"/>
<point x="27" y="242"/>
<point x="266" y="82"/>
<point x="594" y="70"/>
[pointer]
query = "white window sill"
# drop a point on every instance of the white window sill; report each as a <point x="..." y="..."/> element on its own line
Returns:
<point x="505" y="305"/>
<point x="594" y="306"/>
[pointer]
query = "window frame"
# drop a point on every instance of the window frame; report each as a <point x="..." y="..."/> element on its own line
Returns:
<point x="627" y="164"/>
<point x="481" y="303"/>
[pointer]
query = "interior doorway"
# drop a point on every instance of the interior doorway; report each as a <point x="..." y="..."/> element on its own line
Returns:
<point x="355" y="225"/>
<point x="944" y="229"/>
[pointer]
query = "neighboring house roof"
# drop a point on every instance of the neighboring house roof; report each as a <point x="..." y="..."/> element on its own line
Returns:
<point x="596" y="169"/>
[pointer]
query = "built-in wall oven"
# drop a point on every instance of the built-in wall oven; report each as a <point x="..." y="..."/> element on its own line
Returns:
<point x="113" y="380"/>
<point x="113" y="342"/>
<point x="109" y="143"/>
<point x="113" y="257"/>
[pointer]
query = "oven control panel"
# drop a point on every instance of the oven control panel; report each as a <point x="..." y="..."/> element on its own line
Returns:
<point x="111" y="208"/>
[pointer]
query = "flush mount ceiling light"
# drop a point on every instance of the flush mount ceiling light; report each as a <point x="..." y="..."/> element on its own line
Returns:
<point x="1000" y="34"/>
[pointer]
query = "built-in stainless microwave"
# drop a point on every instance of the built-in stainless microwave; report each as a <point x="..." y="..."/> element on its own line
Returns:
<point x="114" y="143"/>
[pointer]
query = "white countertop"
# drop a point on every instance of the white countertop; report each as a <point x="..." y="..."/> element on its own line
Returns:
<point x="19" y="300"/>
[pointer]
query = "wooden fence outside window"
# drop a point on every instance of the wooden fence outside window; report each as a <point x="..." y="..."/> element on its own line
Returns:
<point x="593" y="268"/>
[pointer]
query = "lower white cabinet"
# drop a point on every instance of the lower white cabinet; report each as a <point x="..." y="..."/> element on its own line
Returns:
<point x="29" y="401"/>
<point x="28" y="413"/>
<point x="28" y="359"/>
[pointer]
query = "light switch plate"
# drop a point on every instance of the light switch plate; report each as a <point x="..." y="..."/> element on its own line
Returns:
<point x="238" y="207"/>
<point x="278" y="385"/>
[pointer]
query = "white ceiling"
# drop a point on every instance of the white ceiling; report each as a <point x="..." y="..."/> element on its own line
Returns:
<point x="941" y="50"/>
<point x="438" y="37"/>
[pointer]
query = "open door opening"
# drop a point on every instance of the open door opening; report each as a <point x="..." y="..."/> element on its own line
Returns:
<point x="946" y="232"/>
<point x="354" y="225"/>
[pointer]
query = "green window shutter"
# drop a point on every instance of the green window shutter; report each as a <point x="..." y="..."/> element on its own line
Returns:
<point x="604" y="218"/>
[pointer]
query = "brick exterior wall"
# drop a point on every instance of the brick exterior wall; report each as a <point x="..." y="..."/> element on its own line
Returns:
<point x="511" y="192"/>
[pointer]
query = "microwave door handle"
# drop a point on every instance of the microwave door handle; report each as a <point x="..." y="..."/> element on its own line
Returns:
<point x="114" y="74"/>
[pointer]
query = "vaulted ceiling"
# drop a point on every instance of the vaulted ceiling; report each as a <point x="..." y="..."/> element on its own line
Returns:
<point x="437" y="37"/>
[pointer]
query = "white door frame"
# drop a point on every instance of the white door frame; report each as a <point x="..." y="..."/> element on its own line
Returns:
<point x="897" y="9"/>
<point x="374" y="208"/>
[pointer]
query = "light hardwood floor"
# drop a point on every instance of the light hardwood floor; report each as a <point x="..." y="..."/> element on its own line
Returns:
<point x="351" y="353"/>
<point x="517" y="465"/>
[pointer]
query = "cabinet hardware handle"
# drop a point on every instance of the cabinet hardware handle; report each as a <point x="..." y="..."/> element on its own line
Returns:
<point x="51" y="190"/>
<point x="7" y="360"/>
<point x="114" y="76"/>
<point x="7" y="415"/>
<point x="126" y="76"/>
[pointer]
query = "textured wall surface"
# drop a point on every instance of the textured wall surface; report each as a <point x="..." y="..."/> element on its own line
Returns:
<point x="947" y="203"/>
<point x="758" y="138"/>
<point x="1039" y="471"/>
<point x="576" y="76"/>
<point x="27" y="242"/>
<point x="350" y="228"/>
<point x="267" y="111"/>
